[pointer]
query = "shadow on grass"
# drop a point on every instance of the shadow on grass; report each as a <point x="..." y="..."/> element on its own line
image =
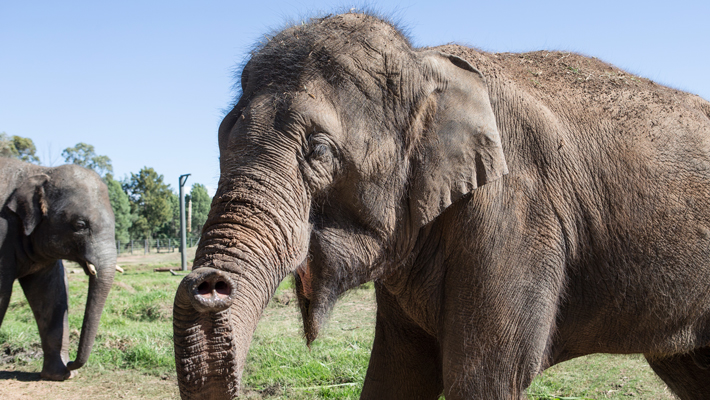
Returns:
<point x="20" y="376"/>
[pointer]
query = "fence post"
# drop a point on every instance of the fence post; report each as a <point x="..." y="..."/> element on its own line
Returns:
<point x="183" y="226"/>
<point x="145" y="246"/>
<point x="131" y="246"/>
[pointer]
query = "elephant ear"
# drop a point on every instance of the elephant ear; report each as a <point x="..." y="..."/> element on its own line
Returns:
<point x="29" y="203"/>
<point x="460" y="147"/>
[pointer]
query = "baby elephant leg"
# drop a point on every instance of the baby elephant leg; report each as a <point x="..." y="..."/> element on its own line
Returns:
<point x="6" y="281"/>
<point x="46" y="292"/>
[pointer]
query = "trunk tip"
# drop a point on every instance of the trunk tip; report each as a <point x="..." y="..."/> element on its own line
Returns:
<point x="209" y="290"/>
<point x="74" y="365"/>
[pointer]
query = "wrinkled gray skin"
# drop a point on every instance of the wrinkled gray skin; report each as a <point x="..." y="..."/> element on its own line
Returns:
<point x="47" y="215"/>
<point x="510" y="219"/>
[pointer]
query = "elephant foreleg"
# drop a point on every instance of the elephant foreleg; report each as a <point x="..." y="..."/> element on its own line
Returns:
<point x="687" y="375"/>
<point x="405" y="362"/>
<point x="46" y="292"/>
<point x="6" y="281"/>
<point x="498" y="326"/>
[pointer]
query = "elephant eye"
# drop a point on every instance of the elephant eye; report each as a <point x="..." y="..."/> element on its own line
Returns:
<point x="80" y="225"/>
<point x="320" y="150"/>
<point x="322" y="161"/>
<point x="319" y="147"/>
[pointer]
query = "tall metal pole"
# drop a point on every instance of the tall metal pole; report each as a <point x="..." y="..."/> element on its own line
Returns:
<point x="183" y="235"/>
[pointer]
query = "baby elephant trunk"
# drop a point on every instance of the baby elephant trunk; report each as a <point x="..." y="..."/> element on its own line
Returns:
<point x="100" y="281"/>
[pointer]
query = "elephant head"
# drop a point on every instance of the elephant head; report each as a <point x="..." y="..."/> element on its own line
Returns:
<point x="345" y="142"/>
<point x="65" y="213"/>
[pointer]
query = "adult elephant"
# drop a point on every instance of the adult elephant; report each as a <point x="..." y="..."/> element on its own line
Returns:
<point x="50" y="214"/>
<point x="514" y="210"/>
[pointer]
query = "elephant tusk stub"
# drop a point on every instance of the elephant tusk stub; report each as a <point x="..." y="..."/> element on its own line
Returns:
<point x="91" y="268"/>
<point x="119" y="269"/>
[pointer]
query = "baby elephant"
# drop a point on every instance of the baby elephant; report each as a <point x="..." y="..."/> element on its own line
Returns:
<point x="50" y="214"/>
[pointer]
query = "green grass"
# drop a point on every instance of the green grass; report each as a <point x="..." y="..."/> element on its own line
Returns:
<point x="134" y="344"/>
<point x="279" y="364"/>
<point x="600" y="376"/>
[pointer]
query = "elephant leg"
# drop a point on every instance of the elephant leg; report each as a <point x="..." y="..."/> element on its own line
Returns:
<point x="405" y="362"/>
<point x="479" y="366"/>
<point x="6" y="281"/>
<point x="498" y="326"/>
<point x="46" y="292"/>
<point x="687" y="375"/>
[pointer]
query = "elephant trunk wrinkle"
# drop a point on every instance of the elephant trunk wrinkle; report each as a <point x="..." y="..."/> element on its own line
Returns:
<point x="204" y="352"/>
<point x="255" y="227"/>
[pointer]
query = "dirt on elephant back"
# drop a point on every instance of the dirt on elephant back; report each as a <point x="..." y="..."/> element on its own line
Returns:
<point x="583" y="89"/>
<point x="16" y="385"/>
<point x="556" y="73"/>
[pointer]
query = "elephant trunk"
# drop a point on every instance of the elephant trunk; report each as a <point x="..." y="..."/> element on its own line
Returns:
<point x="250" y="243"/>
<point x="212" y="338"/>
<point x="100" y="281"/>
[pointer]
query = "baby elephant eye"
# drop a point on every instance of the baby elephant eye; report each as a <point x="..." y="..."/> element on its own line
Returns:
<point x="80" y="225"/>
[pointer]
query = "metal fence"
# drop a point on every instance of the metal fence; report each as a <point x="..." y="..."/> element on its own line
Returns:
<point x="146" y="246"/>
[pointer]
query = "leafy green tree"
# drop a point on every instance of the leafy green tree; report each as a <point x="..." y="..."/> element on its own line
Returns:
<point x="171" y="228"/>
<point x="85" y="155"/>
<point x="140" y="229"/>
<point x="201" y="202"/>
<point x="151" y="203"/>
<point x="121" y="208"/>
<point x="18" y="147"/>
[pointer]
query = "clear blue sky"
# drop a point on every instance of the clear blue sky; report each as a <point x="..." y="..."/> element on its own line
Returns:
<point x="147" y="82"/>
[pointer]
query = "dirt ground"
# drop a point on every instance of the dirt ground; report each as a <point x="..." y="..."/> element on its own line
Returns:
<point x="17" y="385"/>
<point x="126" y="260"/>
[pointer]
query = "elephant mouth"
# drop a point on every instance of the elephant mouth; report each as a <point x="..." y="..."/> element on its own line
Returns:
<point x="313" y="311"/>
<point x="303" y="284"/>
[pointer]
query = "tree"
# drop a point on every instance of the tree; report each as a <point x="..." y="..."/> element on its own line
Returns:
<point x="18" y="147"/>
<point x="84" y="154"/>
<point x="121" y="208"/>
<point x="150" y="201"/>
<point x="171" y="228"/>
<point x="201" y="202"/>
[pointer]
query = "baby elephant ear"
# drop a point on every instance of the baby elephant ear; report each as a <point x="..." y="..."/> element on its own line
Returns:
<point x="460" y="147"/>
<point x="29" y="203"/>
